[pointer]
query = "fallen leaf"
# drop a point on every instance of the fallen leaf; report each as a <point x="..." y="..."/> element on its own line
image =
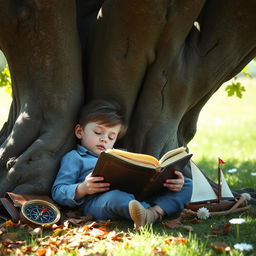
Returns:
<point x="103" y="223"/>
<point x="221" y="229"/>
<point x="8" y="243"/>
<point x="159" y="251"/>
<point x="221" y="247"/>
<point x="27" y="249"/>
<point x="76" y="222"/>
<point x="114" y="236"/>
<point x="176" y="223"/>
<point x="172" y="223"/>
<point x="187" y="214"/>
<point x="175" y="240"/>
<point x="10" y="223"/>
<point x="41" y="252"/>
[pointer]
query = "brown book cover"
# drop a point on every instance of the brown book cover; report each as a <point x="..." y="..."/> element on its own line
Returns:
<point x="142" y="178"/>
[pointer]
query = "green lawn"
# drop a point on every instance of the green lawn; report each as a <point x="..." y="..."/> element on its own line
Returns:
<point x="226" y="129"/>
<point x="5" y="101"/>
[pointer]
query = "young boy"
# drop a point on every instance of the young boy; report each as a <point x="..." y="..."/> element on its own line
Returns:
<point x="101" y="124"/>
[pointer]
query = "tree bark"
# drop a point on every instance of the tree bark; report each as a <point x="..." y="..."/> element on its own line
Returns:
<point x="161" y="59"/>
<point x="40" y="42"/>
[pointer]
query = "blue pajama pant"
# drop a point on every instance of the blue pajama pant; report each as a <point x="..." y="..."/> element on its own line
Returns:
<point x="113" y="204"/>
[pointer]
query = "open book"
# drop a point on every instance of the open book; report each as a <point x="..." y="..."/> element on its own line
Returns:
<point x="140" y="174"/>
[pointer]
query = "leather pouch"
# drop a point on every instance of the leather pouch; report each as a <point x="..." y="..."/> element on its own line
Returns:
<point x="11" y="204"/>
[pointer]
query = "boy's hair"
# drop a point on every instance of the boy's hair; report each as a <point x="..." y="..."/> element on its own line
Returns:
<point x="103" y="112"/>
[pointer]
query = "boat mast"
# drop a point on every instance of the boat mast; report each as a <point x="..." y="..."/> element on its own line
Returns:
<point x="219" y="184"/>
<point x="220" y="161"/>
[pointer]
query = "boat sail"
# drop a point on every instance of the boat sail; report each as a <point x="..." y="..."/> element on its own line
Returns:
<point x="202" y="190"/>
<point x="203" y="194"/>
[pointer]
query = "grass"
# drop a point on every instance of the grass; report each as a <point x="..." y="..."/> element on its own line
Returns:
<point x="5" y="101"/>
<point x="226" y="129"/>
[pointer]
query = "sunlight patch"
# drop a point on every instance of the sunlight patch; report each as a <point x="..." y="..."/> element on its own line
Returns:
<point x="197" y="25"/>
<point x="23" y="115"/>
<point x="100" y="14"/>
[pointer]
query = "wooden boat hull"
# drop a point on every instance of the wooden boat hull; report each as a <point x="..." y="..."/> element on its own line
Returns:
<point x="213" y="205"/>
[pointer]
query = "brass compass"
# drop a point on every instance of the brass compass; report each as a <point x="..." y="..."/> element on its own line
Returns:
<point x="40" y="212"/>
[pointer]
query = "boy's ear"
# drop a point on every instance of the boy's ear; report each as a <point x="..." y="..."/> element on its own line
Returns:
<point x="79" y="131"/>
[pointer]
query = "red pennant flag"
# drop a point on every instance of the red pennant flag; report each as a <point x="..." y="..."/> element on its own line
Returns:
<point x="221" y="161"/>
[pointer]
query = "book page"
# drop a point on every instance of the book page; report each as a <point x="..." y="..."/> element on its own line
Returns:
<point x="171" y="153"/>
<point x="136" y="158"/>
<point x="174" y="158"/>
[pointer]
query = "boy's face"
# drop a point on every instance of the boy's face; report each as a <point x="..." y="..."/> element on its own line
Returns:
<point x="97" y="137"/>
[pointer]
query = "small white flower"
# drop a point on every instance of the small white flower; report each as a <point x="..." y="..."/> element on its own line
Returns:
<point x="203" y="213"/>
<point x="243" y="247"/>
<point x="253" y="173"/>
<point x="237" y="221"/>
<point x="233" y="170"/>
<point x="246" y="196"/>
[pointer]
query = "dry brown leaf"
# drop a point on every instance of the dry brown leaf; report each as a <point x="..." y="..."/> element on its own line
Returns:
<point x="27" y="249"/>
<point x="187" y="214"/>
<point x="221" y="247"/>
<point x="176" y="223"/>
<point x="175" y="240"/>
<point x="41" y="252"/>
<point x="102" y="223"/>
<point x="159" y="251"/>
<point x="8" y="243"/>
<point x="221" y="229"/>
<point x="114" y="236"/>
<point x="172" y="223"/>
<point x="10" y="223"/>
<point x="76" y="222"/>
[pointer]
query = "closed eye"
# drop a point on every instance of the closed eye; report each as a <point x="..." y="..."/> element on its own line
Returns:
<point x="112" y="137"/>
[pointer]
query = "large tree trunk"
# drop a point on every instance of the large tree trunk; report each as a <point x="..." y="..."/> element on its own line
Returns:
<point x="149" y="55"/>
<point x="40" y="42"/>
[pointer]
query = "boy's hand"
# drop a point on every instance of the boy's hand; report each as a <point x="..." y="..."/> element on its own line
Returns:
<point x="175" y="184"/>
<point x="91" y="185"/>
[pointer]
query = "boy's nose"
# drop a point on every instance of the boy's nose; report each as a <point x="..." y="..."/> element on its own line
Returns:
<point x="103" y="138"/>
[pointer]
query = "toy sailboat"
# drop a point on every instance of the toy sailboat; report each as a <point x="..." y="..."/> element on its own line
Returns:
<point x="203" y="194"/>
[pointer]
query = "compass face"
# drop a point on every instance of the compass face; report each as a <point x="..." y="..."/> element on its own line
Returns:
<point x="40" y="212"/>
